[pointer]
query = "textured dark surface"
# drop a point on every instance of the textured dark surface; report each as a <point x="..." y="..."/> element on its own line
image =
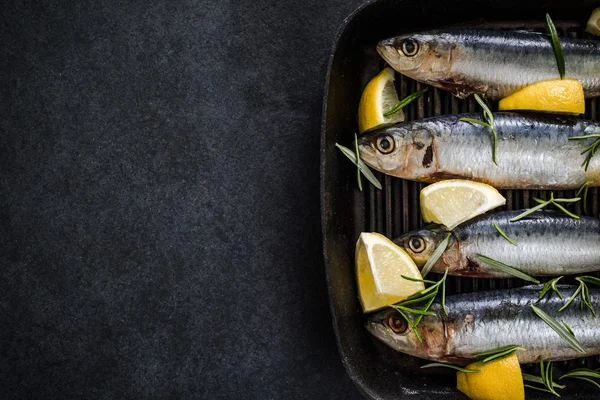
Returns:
<point x="159" y="207"/>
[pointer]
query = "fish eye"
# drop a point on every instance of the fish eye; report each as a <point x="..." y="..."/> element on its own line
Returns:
<point x="397" y="324"/>
<point x="410" y="47"/>
<point x="416" y="244"/>
<point x="385" y="144"/>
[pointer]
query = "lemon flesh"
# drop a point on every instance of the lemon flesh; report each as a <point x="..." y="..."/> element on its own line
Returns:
<point x="497" y="380"/>
<point x="554" y="95"/>
<point x="380" y="265"/>
<point x="377" y="98"/>
<point x="455" y="201"/>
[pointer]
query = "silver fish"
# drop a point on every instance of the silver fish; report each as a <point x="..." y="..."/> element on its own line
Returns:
<point x="494" y="64"/>
<point x="533" y="151"/>
<point x="484" y="321"/>
<point x="549" y="244"/>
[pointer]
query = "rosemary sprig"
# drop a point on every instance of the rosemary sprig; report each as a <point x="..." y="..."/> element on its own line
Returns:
<point x="563" y="331"/>
<point x="506" y="268"/>
<point x="584" y="374"/>
<point x="584" y="190"/>
<point x="546" y="379"/>
<point x="404" y="102"/>
<point x="461" y="369"/>
<point x="366" y="171"/>
<point x="488" y="121"/>
<point x="551" y="285"/>
<point x="558" y="53"/>
<point x="497" y="354"/>
<point x="590" y="150"/>
<point x="503" y="234"/>
<point x="426" y="296"/>
<point x="436" y="255"/>
<point x="546" y="203"/>
<point x="584" y="292"/>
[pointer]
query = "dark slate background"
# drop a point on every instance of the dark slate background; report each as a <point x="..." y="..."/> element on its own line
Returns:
<point x="159" y="203"/>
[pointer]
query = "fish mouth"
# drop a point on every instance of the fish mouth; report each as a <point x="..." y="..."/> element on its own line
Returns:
<point x="366" y="152"/>
<point x="387" y="50"/>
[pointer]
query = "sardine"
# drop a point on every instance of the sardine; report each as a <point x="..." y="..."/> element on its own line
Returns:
<point x="484" y="321"/>
<point x="494" y="64"/>
<point x="549" y="243"/>
<point x="533" y="151"/>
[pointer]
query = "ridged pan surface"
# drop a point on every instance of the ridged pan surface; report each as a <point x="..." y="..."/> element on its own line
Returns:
<point x="378" y="371"/>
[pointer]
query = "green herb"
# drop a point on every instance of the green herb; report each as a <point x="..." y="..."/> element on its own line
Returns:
<point x="584" y="292"/>
<point x="561" y="330"/>
<point x="584" y="374"/>
<point x="506" y="268"/>
<point x="358" y="166"/>
<point x="497" y="354"/>
<point x="363" y="167"/>
<point x="560" y="58"/>
<point x="426" y="296"/>
<point x="488" y="121"/>
<point x="404" y="102"/>
<point x="546" y="379"/>
<point x="436" y="255"/>
<point x="591" y="149"/>
<point x="584" y="190"/>
<point x="435" y="365"/>
<point x="545" y="203"/>
<point x="503" y="234"/>
<point x="551" y="285"/>
<point x="537" y="379"/>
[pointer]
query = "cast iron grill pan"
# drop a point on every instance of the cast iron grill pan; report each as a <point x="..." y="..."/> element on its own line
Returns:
<point x="378" y="371"/>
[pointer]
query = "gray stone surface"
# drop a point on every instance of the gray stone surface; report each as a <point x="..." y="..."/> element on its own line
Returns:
<point x="159" y="207"/>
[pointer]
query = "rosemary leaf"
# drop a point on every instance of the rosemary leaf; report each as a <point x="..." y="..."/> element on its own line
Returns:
<point x="560" y="58"/>
<point x="503" y="234"/>
<point x="414" y="311"/>
<point x="366" y="171"/>
<point x="530" y="211"/>
<point x="584" y="190"/>
<point x="435" y="365"/>
<point x="436" y="255"/>
<point x="506" y="268"/>
<point x="404" y="102"/>
<point x="537" y="379"/>
<point x="497" y="354"/>
<point x="551" y="285"/>
<point x="589" y="279"/>
<point x="559" y="329"/>
<point x="581" y="372"/>
<point x="408" y="278"/>
<point x="358" y="165"/>
<point x="587" y="380"/>
<point x="561" y="208"/>
<point x="475" y="121"/>
<point x="444" y="292"/>
<point x="573" y="297"/>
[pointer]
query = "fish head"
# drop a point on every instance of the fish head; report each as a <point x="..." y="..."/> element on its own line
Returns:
<point x="392" y="329"/>
<point x="426" y="57"/>
<point x="421" y="244"/>
<point x="405" y="150"/>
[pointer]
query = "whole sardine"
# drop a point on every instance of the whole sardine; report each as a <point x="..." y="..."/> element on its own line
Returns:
<point x="549" y="244"/>
<point x="483" y="321"/>
<point x="492" y="63"/>
<point x="533" y="151"/>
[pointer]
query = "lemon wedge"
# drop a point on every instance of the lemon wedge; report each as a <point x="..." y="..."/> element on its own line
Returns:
<point x="554" y="95"/>
<point x="377" y="98"/>
<point x="593" y="24"/>
<point x="455" y="201"/>
<point x="380" y="265"/>
<point x="496" y="380"/>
